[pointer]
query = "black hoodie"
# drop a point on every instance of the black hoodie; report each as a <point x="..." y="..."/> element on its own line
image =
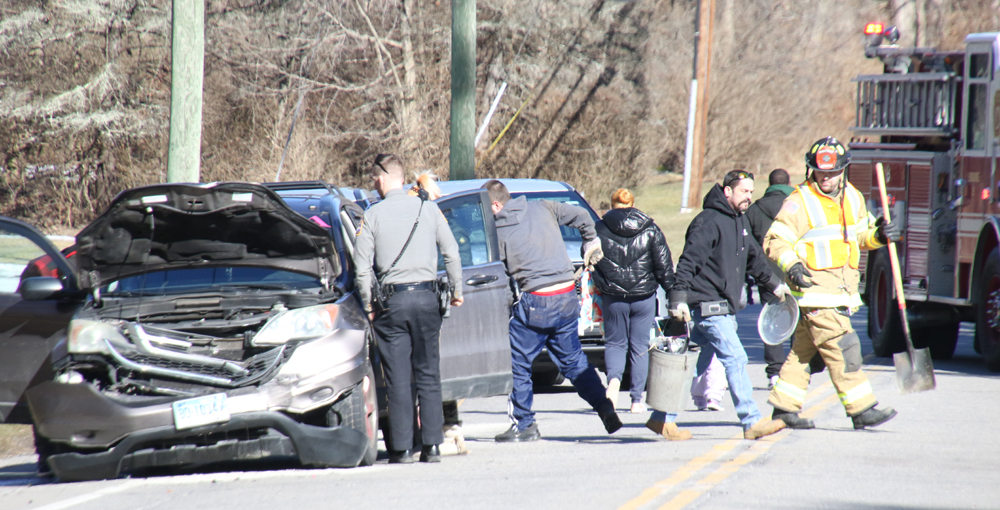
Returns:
<point x="636" y="256"/>
<point x="719" y="250"/>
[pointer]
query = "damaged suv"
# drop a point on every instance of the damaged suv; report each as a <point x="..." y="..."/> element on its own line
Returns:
<point x="194" y="324"/>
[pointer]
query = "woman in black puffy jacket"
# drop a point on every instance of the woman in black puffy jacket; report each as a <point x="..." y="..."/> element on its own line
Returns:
<point x="636" y="260"/>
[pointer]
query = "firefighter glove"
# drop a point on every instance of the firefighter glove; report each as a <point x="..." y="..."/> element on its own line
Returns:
<point x="887" y="231"/>
<point x="799" y="276"/>
<point x="681" y="312"/>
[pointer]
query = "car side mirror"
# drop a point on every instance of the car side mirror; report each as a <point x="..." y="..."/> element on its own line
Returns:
<point x="38" y="288"/>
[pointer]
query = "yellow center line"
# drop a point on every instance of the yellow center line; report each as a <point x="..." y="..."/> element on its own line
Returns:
<point x="697" y="464"/>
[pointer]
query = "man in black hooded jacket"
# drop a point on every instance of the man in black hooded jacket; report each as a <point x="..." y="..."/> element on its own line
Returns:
<point x="718" y="252"/>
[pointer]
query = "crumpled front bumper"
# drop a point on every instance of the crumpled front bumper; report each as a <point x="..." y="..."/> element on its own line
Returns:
<point x="143" y="428"/>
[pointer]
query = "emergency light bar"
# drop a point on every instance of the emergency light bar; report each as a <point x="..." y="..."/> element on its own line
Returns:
<point x="874" y="29"/>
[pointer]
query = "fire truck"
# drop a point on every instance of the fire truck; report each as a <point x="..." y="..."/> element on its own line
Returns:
<point x="932" y="119"/>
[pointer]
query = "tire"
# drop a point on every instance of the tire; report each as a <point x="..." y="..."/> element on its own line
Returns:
<point x="939" y="339"/>
<point x="550" y="378"/>
<point x="44" y="448"/>
<point x="359" y="411"/>
<point x="988" y="312"/>
<point x="885" y="327"/>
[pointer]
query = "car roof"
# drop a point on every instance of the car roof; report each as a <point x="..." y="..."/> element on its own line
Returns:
<point x="513" y="185"/>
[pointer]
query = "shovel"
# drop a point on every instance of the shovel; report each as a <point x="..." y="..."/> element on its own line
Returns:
<point x="914" y="371"/>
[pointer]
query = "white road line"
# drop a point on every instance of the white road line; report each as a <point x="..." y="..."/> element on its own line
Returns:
<point x="66" y="503"/>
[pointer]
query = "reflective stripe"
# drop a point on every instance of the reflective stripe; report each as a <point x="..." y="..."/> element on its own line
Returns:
<point x="814" y="209"/>
<point x="856" y="393"/>
<point x="787" y="260"/>
<point x="825" y="245"/>
<point x="791" y="391"/>
<point x="822" y="300"/>
<point x="781" y="231"/>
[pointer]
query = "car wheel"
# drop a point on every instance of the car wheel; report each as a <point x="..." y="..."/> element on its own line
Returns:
<point x="359" y="411"/>
<point x="884" y="324"/>
<point x="552" y="378"/>
<point x="44" y="448"/>
<point x="988" y="312"/>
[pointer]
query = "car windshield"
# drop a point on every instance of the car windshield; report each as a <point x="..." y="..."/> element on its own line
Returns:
<point x="568" y="197"/>
<point x="208" y="279"/>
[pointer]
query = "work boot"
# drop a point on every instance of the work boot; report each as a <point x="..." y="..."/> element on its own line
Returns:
<point x="792" y="420"/>
<point x="608" y="415"/>
<point x="668" y="430"/>
<point x="763" y="428"/>
<point x="513" y="435"/>
<point x="872" y="417"/>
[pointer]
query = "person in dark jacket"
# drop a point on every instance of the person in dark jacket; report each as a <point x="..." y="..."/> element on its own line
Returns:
<point x="636" y="261"/>
<point x="718" y="252"/>
<point x="760" y="215"/>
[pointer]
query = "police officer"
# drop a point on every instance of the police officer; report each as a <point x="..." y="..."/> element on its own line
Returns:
<point x="401" y="236"/>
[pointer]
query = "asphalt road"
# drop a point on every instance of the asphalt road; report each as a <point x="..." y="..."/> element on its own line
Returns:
<point x="941" y="452"/>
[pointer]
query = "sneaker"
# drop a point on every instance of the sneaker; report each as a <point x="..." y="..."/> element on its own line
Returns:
<point x="772" y="382"/>
<point x="513" y="435"/>
<point x="614" y="386"/>
<point x="668" y="430"/>
<point x="713" y="405"/>
<point x="609" y="417"/>
<point x="763" y="427"/>
<point x="638" y="407"/>
<point x="792" y="420"/>
<point x="872" y="417"/>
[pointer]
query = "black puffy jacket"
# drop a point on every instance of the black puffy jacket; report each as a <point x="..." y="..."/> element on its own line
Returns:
<point x="636" y="256"/>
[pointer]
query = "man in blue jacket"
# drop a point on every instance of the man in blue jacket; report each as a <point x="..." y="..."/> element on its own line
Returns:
<point x="718" y="251"/>
<point x="547" y="312"/>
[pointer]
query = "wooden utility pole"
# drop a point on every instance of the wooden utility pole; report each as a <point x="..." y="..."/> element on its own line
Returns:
<point x="462" y="162"/>
<point x="706" y="17"/>
<point x="187" y="75"/>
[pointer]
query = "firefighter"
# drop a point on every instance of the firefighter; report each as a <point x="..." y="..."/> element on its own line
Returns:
<point x="816" y="239"/>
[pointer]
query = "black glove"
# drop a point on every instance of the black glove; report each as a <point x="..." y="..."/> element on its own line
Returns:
<point x="767" y="296"/>
<point x="887" y="232"/>
<point x="798" y="274"/>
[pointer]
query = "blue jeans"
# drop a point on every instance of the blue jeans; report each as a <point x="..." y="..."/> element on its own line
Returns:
<point x="627" y="322"/>
<point x="717" y="335"/>
<point x="548" y="321"/>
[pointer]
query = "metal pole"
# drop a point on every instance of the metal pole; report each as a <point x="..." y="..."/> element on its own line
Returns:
<point x="489" y="114"/>
<point x="689" y="146"/>
<point x="187" y="74"/>
<point x="462" y="155"/>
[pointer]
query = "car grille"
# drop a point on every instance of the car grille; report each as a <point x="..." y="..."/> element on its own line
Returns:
<point x="258" y="367"/>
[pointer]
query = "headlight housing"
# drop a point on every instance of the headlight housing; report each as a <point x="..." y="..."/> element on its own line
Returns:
<point x="302" y="324"/>
<point x="87" y="336"/>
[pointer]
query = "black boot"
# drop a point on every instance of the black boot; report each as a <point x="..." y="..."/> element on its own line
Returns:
<point x="872" y="417"/>
<point x="792" y="420"/>
<point x="430" y="453"/>
<point x="609" y="416"/>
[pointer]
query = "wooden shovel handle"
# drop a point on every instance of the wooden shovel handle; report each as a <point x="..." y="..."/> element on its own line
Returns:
<point x="897" y="278"/>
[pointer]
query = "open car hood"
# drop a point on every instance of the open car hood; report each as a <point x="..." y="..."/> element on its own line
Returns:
<point x="173" y="226"/>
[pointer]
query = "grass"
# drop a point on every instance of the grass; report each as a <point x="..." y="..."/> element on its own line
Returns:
<point x="660" y="198"/>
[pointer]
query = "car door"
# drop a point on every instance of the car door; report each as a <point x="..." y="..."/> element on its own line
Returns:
<point x="30" y="328"/>
<point x="475" y="347"/>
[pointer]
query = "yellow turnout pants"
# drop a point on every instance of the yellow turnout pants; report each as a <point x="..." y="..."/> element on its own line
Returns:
<point x="831" y="334"/>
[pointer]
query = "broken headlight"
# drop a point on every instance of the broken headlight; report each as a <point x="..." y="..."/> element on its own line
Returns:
<point x="301" y="324"/>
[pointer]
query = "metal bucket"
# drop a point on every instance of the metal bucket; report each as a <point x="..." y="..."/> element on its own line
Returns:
<point x="669" y="383"/>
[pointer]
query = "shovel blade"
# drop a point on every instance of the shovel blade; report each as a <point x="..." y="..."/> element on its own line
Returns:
<point x="914" y="373"/>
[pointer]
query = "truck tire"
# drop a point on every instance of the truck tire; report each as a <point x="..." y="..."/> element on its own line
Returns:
<point x="359" y="411"/>
<point x="884" y="325"/>
<point x="988" y="312"/>
<point x="940" y="339"/>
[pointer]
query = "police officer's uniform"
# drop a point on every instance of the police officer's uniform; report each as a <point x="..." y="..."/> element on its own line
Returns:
<point x="408" y="334"/>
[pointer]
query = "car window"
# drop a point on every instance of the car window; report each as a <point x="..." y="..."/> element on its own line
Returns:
<point x="469" y="228"/>
<point x="567" y="197"/>
<point x="202" y="278"/>
<point x="21" y="258"/>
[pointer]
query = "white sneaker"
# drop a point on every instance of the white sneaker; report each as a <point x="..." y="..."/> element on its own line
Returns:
<point x="638" y="407"/>
<point x="714" y="406"/>
<point x="773" y="381"/>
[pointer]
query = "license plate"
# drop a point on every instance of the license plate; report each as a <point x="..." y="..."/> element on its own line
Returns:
<point x="195" y="412"/>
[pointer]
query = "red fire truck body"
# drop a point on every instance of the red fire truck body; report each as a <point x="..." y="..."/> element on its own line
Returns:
<point x="932" y="119"/>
